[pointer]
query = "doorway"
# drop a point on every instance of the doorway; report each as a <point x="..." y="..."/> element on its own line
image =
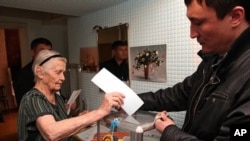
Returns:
<point x="12" y="40"/>
<point x="107" y="36"/>
<point x="12" y="44"/>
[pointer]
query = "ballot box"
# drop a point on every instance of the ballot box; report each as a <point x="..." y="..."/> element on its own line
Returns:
<point x="139" y="126"/>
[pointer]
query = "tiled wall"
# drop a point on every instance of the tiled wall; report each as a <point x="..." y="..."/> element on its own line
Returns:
<point x="151" y="22"/>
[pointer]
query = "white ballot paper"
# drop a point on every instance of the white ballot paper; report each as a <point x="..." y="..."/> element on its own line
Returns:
<point x="73" y="98"/>
<point x="110" y="83"/>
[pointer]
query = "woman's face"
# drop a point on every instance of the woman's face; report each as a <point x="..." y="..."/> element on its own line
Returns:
<point x="54" y="74"/>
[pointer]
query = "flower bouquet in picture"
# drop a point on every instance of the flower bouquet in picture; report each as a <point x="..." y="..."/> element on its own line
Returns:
<point x="147" y="61"/>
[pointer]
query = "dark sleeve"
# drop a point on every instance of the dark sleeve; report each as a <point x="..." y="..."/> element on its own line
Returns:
<point x="173" y="133"/>
<point x="171" y="99"/>
<point x="174" y="98"/>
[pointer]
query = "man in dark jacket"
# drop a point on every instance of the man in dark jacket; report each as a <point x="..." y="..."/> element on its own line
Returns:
<point x="118" y="65"/>
<point x="216" y="97"/>
<point x="25" y="78"/>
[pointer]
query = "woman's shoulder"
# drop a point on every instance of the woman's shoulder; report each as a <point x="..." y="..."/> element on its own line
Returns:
<point x="34" y="93"/>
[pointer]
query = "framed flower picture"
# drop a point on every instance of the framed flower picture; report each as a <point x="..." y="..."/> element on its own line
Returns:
<point x="148" y="63"/>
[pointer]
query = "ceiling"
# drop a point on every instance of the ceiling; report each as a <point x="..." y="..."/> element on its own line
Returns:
<point x="52" y="9"/>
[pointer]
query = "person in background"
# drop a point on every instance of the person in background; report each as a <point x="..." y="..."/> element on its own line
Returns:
<point x="25" y="79"/>
<point x="118" y="65"/>
<point x="42" y="114"/>
<point x="216" y="97"/>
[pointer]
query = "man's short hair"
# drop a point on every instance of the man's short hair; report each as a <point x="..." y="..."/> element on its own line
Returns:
<point x="118" y="43"/>
<point x="38" y="41"/>
<point x="223" y="7"/>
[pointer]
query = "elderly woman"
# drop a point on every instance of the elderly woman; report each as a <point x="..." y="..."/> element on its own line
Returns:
<point x="42" y="114"/>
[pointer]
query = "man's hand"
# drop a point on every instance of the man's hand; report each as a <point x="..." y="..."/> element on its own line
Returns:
<point x="162" y="121"/>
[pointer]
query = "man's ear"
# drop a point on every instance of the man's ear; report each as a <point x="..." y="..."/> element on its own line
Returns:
<point x="238" y="15"/>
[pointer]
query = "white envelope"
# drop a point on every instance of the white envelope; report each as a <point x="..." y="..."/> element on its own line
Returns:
<point x="110" y="83"/>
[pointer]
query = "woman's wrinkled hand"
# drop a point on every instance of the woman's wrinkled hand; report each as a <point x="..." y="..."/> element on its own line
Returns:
<point x="72" y="106"/>
<point x="111" y="100"/>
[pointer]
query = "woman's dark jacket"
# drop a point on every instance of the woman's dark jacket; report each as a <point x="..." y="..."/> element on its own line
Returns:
<point x="215" y="97"/>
